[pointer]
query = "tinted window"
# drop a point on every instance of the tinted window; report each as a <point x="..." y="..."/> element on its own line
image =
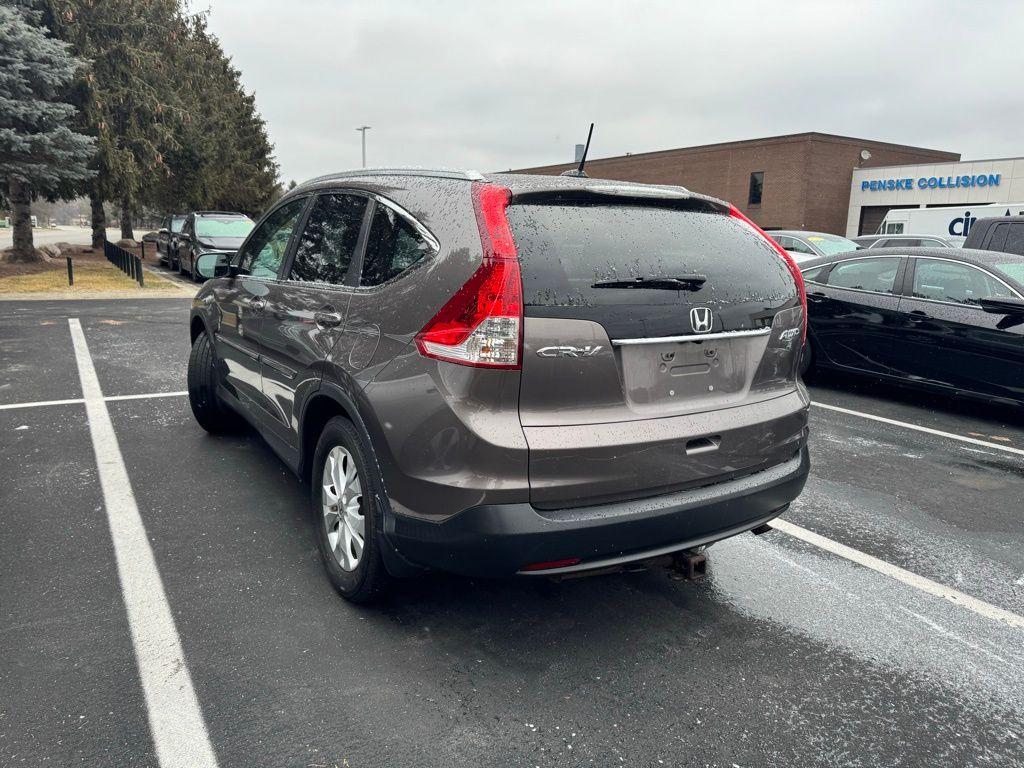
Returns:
<point x="392" y="247"/>
<point x="933" y="244"/>
<point x="997" y="237"/>
<point x="905" y="242"/>
<point x="814" y="275"/>
<point x="876" y="275"/>
<point x="264" y="251"/>
<point x="1015" y="240"/>
<point x="575" y="256"/>
<point x="328" y="241"/>
<point x="958" y="283"/>
<point x="756" y="187"/>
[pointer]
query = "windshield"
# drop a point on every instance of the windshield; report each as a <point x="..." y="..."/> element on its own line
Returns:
<point x="832" y="244"/>
<point x="1014" y="269"/>
<point x="177" y="223"/>
<point x="234" y="226"/>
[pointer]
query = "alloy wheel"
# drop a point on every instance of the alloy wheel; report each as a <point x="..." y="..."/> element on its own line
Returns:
<point x="342" y="496"/>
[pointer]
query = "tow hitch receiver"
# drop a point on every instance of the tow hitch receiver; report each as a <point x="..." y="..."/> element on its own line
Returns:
<point x="691" y="565"/>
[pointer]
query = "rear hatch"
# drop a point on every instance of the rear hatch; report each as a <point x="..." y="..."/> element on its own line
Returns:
<point x="648" y="325"/>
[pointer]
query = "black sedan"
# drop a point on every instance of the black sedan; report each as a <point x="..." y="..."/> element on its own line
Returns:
<point x="208" y="232"/>
<point x="943" y="318"/>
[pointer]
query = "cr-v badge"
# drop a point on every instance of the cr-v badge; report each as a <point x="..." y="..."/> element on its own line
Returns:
<point x="587" y="351"/>
<point x="701" y="319"/>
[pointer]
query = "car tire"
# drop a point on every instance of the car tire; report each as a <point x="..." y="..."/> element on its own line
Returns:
<point x="345" y="472"/>
<point x="211" y="413"/>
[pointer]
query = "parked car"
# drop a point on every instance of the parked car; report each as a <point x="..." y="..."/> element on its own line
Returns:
<point x="803" y="245"/>
<point x="908" y="241"/>
<point x="1004" y="234"/>
<point x="169" y="228"/>
<point x="509" y="375"/>
<point x="949" y="319"/>
<point x="218" y="232"/>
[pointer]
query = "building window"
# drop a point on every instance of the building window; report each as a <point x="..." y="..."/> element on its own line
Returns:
<point x="756" y="185"/>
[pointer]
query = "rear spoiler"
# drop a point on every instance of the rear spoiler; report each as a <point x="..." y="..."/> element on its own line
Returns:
<point x="634" y="193"/>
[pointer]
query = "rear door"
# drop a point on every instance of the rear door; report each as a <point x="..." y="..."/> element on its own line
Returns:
<point x="305" y="311"/>
<point x="855" y="315"/>
<point x="640" y="321"/>
<point x="950" y="340"/>
<point x="379" y="324"/>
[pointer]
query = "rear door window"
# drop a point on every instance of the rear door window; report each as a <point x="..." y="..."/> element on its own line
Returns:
<point x="956" y="283"/>
<point x="328" y="241"/>
<point x="996" y="239"/>
<point x="576" y="256"/>
<point x="798" y="246"/>
<point x="1014" y="239"/>
<point x="874" y="275"/>
<point x="393" y="245"/>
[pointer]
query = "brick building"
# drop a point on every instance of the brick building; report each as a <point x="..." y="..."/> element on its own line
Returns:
<point x="799" y="181"/>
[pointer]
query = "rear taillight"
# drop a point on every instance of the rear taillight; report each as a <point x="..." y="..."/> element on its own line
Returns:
<point x="794" y="270"/>
<point x="482" y="324"/>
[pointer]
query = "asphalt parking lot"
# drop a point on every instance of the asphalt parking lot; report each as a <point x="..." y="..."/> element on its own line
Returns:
<point x="894" y="637"/>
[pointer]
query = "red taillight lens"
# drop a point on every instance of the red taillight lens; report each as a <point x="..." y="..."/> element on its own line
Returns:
<point x="481" y="325"/>
<point x="794" y="270"/>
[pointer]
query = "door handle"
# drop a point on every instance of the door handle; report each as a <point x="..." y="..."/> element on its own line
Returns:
<point x="326" y="319"/>
<point x="917" y="316"/>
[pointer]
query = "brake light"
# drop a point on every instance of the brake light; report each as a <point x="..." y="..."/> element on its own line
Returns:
<point x="482" y="324"/>
<point x="794" y="270"/>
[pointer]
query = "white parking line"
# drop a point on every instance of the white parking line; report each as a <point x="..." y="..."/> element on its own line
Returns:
<point x="146" y="396"/>
<point x="79" y="401"/>
<point x="979" y="607"/>
<point x="40" y="403"/>
<point x="929" y="430"/>
<point x="175" y="718"/>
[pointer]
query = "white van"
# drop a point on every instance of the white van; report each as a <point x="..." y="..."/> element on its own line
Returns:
<point x="946" y="222"/>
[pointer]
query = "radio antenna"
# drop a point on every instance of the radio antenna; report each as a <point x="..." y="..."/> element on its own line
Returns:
<point x="583" y="160"/>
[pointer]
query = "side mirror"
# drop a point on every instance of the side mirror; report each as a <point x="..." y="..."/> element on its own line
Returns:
<point x="1003" y="306"/>
<point x="214" y="265"/>
<point x="163" y="232"/>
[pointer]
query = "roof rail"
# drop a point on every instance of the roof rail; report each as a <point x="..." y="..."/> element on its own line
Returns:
<point x="435" y="173"/>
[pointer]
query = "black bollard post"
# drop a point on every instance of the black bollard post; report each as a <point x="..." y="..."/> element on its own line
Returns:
<point x="138" y="270"/>
<point x="71" y="272"/>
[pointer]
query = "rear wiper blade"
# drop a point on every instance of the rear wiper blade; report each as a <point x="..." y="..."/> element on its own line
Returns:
<point x="683" y="283"/>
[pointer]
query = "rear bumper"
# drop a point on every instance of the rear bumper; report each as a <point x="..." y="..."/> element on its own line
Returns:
<point x="500" y="539"/>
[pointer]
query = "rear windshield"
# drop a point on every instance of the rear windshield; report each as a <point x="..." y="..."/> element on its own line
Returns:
<point x="235" y="226"/>
<point x="567" y="251"/>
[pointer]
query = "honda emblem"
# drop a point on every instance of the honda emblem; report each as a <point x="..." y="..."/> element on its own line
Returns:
<point x="701" y="319"/>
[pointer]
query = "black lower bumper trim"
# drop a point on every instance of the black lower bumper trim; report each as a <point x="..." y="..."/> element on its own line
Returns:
<point x="501" y="539"/>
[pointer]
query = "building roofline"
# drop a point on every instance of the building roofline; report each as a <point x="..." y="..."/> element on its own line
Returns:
<point x="780" y="139"/>
<point x="945" y="162"/>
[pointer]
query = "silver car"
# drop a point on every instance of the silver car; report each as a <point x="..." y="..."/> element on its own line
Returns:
<point x="803" y="245"/>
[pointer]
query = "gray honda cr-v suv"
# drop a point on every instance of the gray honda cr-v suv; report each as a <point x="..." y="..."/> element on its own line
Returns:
<point x="509" y="374"/>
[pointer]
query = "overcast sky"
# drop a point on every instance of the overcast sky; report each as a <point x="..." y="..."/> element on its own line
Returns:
<point x="497" y="85"/>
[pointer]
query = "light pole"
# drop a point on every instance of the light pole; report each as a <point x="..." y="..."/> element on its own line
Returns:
<point x="363" y="129"/>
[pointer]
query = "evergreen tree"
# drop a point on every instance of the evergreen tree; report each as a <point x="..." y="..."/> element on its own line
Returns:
<point x="123" y="96"/>
<point x="39" y="153"/>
